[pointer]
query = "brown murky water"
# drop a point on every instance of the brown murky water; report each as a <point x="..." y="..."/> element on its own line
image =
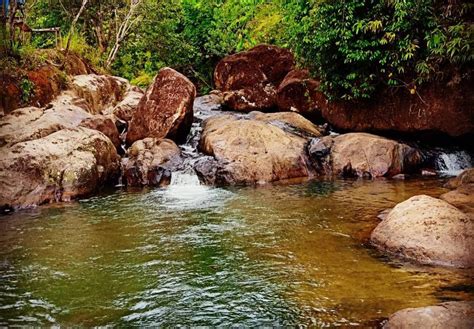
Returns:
<point x="193" y="255"/>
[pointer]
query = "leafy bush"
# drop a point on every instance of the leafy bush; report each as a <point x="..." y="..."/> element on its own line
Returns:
<point x="359" y="46"/>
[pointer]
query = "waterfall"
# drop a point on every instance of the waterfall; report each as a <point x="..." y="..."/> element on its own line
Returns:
<point x="184" y="178"/>
<point x="453" y="163"/>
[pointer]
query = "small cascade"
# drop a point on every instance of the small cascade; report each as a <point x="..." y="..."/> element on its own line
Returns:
<point x="453" y="163"/>
<point x="184" y="178"/>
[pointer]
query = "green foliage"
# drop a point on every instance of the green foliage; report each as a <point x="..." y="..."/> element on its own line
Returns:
<point x="27" y="90"/>
<point x="356" y="47"/>
<point x="359" y="46"/>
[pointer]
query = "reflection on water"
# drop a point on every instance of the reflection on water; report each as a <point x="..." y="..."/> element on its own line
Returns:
<point x="274" y="255"/>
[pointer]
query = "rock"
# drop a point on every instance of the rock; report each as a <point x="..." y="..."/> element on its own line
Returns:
<point x="364" y="155"/>
<point x="429" y="172"/>
<point x="48" y="82"/>
<point x="297" y="93"/>
<point x="459" y="315"/>
<point x="436" y="108"/>
<point x="259" y="65"/>
<point x="64" y="165"/>
<point x="400" y="177"/>
<point x="105" y="125"/>
<point x="258" y="149"/>
<point x="166" y="110"/>
<point x="258" y="97"/>
<point x="99" y="91"/>
<point x="151" y="162"/>
<point x="428" y="231"/>
<point x="125" y="108"/>
<point x="32" y="123"/>
<point x="249" y="79"/>
<point x="462" y="198"/>
<point x="466" y="177"/>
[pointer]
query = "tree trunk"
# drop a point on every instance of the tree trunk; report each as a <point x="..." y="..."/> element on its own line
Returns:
<point x="122" y="32"/>
<point x="73" y="25"/>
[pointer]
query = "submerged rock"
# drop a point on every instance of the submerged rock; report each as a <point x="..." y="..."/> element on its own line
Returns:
<point x="166" y="110"/>
<point x="428" y="231"/>
<point x="363" y="155"/>
<point x="258" y="149"/>
<point x="459" y="315"/>
<point x="151" y="162"/>
<point x="249" y="79"/>
<point x="64" y="165"/>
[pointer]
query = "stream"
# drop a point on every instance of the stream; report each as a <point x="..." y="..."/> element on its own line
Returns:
<point x="277" y="255"/>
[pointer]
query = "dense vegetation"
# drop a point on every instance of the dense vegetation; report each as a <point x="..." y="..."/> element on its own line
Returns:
<point x="355" y="47"/>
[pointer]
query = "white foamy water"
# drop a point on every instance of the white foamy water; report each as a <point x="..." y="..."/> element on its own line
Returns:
<point x="452" y="164"/>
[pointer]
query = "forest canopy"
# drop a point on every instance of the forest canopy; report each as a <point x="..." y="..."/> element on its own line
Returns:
<point x="356" y="47"/>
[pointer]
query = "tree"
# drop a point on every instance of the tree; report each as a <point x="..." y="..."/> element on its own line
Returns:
<point x="127" y="23"/>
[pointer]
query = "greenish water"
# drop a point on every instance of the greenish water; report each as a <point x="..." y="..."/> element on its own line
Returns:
<point x="192" y="255"/>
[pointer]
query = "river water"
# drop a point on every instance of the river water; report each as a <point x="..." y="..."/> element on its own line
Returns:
<point x="279" y="255"/>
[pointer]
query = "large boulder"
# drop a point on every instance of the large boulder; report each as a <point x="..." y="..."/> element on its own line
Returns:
<point x="435" y="108"/>
<point x="32" y="123"/>
<point x="459" y="315"/>
<point x="151" y="162"/>
<point x="363" y="155"/>
<point x="428" y="231"/>
<point x="249" y="79"/>
<point x="297" y="92"/>
<point x="257" y="149"/>
<point x="166" y="110"/>
<point x="64" y="165"/>
<point x="464" y="178"/>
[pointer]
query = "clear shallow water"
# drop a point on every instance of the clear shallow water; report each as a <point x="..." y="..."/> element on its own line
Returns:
<point x="274" y="255"/>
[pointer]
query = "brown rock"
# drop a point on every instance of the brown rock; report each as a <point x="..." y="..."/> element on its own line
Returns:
<point x="249" y="79"/>
<point x="459" y="315"/>
<point x="435" y="108"/>
<point x="260" y="149"/>
<point x="32" y="123"/>
<point x="48" y="83"/>
<point x="125" y="108"/>
<point x="99" y="91"/>
<point x="260" y="65"/>
<point x="466" y="177"/>
<point x="429" y="231"/>
<point x="151" y="162"/>
<point x="105" y="125"/>
<point x="297" y="93"/>
<point x="59" y="167"/>
<point x="259" y="97"/>
<point x="166" y="110"/>
<point x="366" y="155"/>
<point x="462" y="198"/>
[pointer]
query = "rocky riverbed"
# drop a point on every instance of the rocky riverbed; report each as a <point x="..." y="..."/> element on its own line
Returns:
<point x="264" y="125"/>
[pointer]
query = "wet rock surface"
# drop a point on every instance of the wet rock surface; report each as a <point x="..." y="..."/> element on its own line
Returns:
<point x="151" y="162"/>
<point x="362" y="155"/>
<point x="458" y="315"/>
<point x="166" y="110"/>
<point x="256" y="149"/>
<point x="428" y="231"/>
<point x="64" y="165"/>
